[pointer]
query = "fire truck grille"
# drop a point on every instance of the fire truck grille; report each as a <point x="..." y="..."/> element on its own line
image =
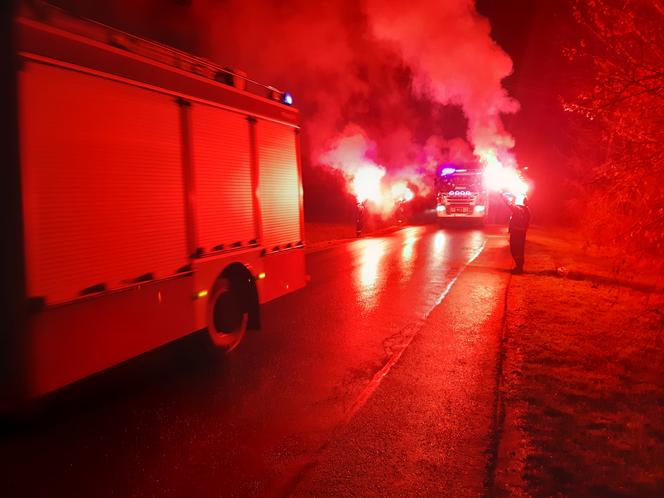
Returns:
<point x="455" y="201"/>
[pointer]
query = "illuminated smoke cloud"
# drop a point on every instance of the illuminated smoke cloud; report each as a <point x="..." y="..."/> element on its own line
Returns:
<point x="354" y="155"/>
<point x="390" y="67"/>
<point x="401" y="192"/>
<point x="438" y="150"/>
<point x="351" y="154"/>
<point x="454" y="61"/>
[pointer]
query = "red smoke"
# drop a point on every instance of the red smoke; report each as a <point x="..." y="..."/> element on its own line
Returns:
<point x="454" y="61"/>
<point x="383" y="67"/>
<point x="391" y="71"/>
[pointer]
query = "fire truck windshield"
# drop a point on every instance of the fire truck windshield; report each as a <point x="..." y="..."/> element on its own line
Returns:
<point x="471" y="182"/>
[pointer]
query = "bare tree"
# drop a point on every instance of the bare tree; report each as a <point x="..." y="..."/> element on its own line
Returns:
<point x="618" y="93"/>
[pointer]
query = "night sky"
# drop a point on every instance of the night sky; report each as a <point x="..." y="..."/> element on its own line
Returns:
<point x="534" y="33"/>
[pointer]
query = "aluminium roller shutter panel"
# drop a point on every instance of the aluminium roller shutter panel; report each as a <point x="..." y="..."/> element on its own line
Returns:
<point x="222" y="177"/>
<point x="102" y="182"/>
<point x="279" y="182"/>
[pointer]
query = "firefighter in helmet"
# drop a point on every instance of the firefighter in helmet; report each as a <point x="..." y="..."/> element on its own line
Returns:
<point x="518" y="225"/>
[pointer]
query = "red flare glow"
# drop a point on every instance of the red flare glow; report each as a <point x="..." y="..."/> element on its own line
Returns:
<point x="499" y="177"/>
<point x="401" y="192"/>
<point x="366" y="181"/>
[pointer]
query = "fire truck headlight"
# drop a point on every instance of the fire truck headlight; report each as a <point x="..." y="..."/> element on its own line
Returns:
<point x="440" y="209"/>
<point x="447" y="171"/>
<point x="479" y="209"/>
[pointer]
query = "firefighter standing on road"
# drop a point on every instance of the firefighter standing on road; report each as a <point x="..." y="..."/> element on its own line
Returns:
<point x="360" y="216"/>
<point x="519" y="222"/>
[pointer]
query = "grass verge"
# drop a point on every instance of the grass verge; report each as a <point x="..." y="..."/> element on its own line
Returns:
<point x="321" y="234"/>
<point x="582" y="388"/>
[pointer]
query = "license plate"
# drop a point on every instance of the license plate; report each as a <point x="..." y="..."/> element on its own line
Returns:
<point x="461" y="210"/>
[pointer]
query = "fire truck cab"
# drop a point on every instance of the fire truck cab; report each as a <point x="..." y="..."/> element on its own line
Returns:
<point x="461" y="193"/>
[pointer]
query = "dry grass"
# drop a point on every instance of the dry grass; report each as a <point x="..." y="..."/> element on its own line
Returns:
<point x="583" y="381"/>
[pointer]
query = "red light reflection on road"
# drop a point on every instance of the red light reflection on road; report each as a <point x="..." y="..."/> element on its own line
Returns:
<point x="439" y="242"/>
<point x="411" y="236"/>
<point x="477" y="239"/>
<point x="371" y="252"/>
<point x="438" y="249"/>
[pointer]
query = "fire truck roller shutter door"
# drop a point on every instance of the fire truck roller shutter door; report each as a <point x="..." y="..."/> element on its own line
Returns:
<point x="102" y="182"/>
<point x="222" y="176"/>
<point x="279" y="193"/>
<point x="279" y="184"/>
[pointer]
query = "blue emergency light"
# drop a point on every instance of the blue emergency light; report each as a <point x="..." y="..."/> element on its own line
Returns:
<point x="287" y="98"/>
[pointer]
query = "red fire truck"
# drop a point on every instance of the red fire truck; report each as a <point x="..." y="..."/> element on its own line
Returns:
<point x="461" y="193"/>
<point x="157" y="194"/>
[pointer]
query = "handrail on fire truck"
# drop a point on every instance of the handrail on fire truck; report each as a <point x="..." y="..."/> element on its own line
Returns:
<point x="61" y="19"/>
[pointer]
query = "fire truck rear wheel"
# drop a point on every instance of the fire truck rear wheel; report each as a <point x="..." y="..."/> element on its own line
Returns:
<point x="227" y="315"/>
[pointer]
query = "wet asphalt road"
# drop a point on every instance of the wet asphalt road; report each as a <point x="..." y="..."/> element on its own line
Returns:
<point x="185" y="422"/>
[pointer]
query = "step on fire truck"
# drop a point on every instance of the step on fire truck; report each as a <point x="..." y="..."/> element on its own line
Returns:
<point x="461" y="193"/>
<point x="152" y="194"/>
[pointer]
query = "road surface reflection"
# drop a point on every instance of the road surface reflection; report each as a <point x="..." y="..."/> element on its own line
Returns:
<point x="369" y="252"/>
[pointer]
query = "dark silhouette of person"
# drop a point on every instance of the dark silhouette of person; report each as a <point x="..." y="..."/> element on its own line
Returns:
<point x="519" y="223"/>
<point x="360" y="218"/>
